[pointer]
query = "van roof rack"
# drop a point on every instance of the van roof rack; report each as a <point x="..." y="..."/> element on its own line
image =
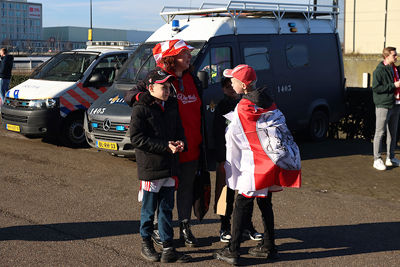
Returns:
<point x="250" y="9"/>
<point x="111" y="44"/>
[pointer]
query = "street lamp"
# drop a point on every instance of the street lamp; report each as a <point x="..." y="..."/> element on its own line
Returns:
<point x="90" y="32"/>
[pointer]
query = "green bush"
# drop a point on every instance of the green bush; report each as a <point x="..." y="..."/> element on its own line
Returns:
<point x="17" y="79"/>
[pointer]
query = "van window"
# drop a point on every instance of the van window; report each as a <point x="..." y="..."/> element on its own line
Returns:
<point x="109" y="64"/>
<point x="142" y="61"/>
<point x="297" y="55"/>
<point x="215" y="62"/>
<point x="257" y="57"/>
<point x="68" y="66"/>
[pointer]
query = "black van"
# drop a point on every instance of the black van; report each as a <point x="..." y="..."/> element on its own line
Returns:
<point x="294" y="49"/>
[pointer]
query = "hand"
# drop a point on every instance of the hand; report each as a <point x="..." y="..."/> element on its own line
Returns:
<point x="180" y="145"/>
<point x="173" y="147"/>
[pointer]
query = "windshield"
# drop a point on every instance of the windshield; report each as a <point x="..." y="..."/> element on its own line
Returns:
<point x="67" y="66"/>
<point x="142" y="61"/>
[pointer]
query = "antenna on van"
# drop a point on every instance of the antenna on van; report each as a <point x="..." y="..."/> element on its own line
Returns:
<point x="190" y="5"/>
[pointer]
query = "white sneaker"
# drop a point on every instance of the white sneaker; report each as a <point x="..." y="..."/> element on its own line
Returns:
<point x="378" y="164"/>
<point x="392" y="162"/>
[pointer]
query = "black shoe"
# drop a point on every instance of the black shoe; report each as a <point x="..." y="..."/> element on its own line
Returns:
<point x="186" y="234"/>
<point x="155" y="236"/>
<point x="148" y="251"/>
<point x="227" y="255"/>
<point x="171" y="255"/>
<point x="261" y="251"/>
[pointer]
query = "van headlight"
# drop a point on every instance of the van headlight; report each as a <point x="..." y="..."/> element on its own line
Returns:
<point x="43" y="103"/>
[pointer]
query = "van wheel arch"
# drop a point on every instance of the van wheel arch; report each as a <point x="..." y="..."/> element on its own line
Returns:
<point x="73" y="133"/>
<point x="319" y="124"/>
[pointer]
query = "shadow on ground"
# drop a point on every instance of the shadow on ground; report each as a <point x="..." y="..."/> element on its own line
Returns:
<point x="334" y="148"/>
<point x="305" y="243"/>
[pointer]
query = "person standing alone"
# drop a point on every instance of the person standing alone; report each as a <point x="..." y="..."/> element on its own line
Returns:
<point x="6" y="65"/>
<point x="386" y="95"/>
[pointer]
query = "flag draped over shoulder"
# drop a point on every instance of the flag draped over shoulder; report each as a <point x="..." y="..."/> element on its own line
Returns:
<point x="261" y="152"/>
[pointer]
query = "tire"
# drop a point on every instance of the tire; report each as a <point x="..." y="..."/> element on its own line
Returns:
<point x="319" y="125"/>
<point x="73" y="132"/>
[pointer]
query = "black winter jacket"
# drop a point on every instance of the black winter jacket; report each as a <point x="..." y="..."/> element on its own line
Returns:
<point x="151" y="128"/>
<point x="226" y="105"/>
<point x="6" y="65"/>
<point x="259" y="97"/>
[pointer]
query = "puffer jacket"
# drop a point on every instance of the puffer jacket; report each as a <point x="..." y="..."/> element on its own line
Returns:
<point x="151" y="127"/>
<point x="383" y="86"/>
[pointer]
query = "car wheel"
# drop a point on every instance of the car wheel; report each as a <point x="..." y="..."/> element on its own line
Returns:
<point x="73" y="132"/>
<point x="319" y="125"/>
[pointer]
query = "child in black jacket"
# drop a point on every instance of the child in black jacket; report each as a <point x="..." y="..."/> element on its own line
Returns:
<point x="158" y="136"/>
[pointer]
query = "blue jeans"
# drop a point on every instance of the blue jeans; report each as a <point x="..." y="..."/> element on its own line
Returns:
<point x="164" y="200"/>
<point x="4" y="84"/>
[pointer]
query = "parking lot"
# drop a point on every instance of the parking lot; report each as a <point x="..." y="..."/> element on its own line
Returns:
<point x="71" y="207"/>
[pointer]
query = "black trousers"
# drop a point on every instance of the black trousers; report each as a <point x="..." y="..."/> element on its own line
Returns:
<point x="226" y="220"/>
<point x="243" y="210"/>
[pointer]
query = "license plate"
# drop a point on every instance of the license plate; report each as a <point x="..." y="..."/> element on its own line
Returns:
<point x="14" y="128"/>
<point x="106" y="145"/>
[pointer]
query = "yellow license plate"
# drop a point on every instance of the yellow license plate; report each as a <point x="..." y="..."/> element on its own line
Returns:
<point x="14" y="128"/>
<point x="107" y="145"/>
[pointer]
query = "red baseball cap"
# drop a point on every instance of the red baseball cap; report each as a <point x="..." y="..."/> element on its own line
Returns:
<point x="242" y="72"/>
<point x="169" y="48"/>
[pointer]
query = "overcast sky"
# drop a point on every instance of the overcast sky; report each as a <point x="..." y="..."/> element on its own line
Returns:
<point x="119" y="14"/>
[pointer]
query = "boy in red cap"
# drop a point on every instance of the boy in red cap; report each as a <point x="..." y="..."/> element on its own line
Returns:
<point x="261" y="158"/>
<point x="158" y="137"/>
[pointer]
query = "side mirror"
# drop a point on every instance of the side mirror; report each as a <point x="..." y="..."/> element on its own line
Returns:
<point x="203" y="77"/>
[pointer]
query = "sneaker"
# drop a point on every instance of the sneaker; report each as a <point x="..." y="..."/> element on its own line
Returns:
<point x="226" y="255"/>
<point x="169" y="254"/>
<point x="392" y="162"/>
<point x="148" y="252"/>
<point x="378" y="164"/>
<point x="252" y="234"/>
<point x="262" y="252"/>
<point x="156" y="238"/>
<point x="186" y="234"/>
<point x="225" y="236"/>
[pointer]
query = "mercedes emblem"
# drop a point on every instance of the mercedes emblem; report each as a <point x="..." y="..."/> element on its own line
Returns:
<point x="106" y="125"/>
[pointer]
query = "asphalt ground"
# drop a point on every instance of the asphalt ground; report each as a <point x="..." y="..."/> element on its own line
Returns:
<point x="78" y="207"/>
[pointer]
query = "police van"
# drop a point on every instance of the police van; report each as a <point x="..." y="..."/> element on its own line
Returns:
<point x="294" y="49"/>
<point x="56" y="95"/>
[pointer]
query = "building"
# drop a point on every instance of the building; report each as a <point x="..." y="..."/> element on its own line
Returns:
<point x="371" y="25"/>
<point x="21" y="31"/>
<point x="20" y="20"/>
<point x="80" y="34"/>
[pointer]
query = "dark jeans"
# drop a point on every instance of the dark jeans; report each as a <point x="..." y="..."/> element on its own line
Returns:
<point x="4" y="86"/>
<point x="243" y="210"/>
<point x="164" y="201"/>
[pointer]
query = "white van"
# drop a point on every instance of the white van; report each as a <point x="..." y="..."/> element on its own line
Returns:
<point x="55" y="97"/>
